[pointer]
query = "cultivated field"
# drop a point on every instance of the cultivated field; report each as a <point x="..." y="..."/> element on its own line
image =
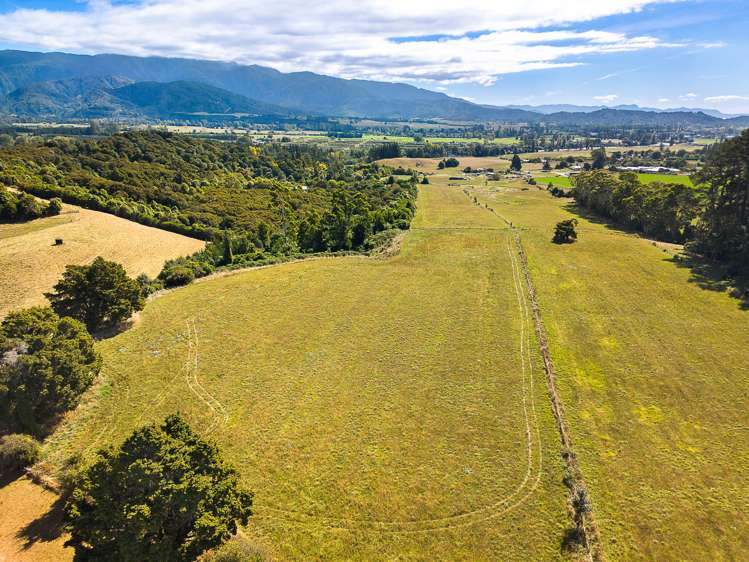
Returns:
<point x="30" y="263"/>
<point x="380" y="409"/>
<point x="653" y="367"/>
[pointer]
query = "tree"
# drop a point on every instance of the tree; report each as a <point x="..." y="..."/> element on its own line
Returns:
<point x="228" y="251"/>
<point x="546" y="166"/>
<point x="165" y="494"/>
<point x="516" y="163"/>
<point x="723" y="230"/>
<point x="46" y="363"/>
<point x="599" y="158"/>
<point x="99" y="295"/>
<point x="564" y="232"/>
<point x="54" y="207"/>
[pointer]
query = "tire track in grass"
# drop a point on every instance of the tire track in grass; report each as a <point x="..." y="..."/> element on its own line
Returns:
<point x="591" y="535"/>
<point x="482" y="514"/>
<point x="191" y="378"/>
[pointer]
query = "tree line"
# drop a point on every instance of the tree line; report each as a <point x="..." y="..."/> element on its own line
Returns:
<point x="712" y="218"/>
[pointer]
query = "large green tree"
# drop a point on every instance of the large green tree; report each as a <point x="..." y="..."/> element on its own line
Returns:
<point x="723" y="232"/>
<point x="99" y="295"/>
<point x="517" y="163"/>
<point x="165" y="494"/>
<point x="46" y="362"/>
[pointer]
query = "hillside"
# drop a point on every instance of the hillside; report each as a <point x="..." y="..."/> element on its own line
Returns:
<point x="31" y="264"/>
<point x="300" y="91"/>
<point x="32" y="82"/>
<point x="119" y="97"/>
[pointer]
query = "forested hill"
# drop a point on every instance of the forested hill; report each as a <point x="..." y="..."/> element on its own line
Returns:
<point x="280" y="199"/>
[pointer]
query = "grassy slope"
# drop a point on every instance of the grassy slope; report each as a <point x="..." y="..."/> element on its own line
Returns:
<point x="30" y="263"/>
<point x="654" y="371"/>
<point x="357" y="390"/>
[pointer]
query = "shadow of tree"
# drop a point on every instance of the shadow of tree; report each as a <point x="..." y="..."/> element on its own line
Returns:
<point x="706" y="274"/>
<point x="713" y="276"/>
<point x="46" y="528"/>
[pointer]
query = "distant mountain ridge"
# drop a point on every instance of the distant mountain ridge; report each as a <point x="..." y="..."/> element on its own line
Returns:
<point x="83" y="86"/>
<point x="571" y="108"/>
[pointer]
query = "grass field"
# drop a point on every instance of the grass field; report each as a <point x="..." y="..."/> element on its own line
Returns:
<point x="559" y="181"/>
<point x="654" y="373"/>
<point x="380" y="409"/>
<point x="376" y="407"/>
<point x="562" y="181"/>
<point x="30" y="263"/>
<point x="665" y="178"/>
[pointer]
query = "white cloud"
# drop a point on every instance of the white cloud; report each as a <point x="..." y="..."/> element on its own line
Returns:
<point x="340" y="37"/>
<point x="689" y="96"/>
<point x="663" y="100"/>
<point x="726" y="98"/>
<point x="610" y="98"/>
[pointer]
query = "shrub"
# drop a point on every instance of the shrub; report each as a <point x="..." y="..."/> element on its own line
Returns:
<point x="177" y="276"/>
<point x="239" y="550"/>
<point x="564" y="232"/>
<point x="18" y="451"/>
<point x="54" y="207"/>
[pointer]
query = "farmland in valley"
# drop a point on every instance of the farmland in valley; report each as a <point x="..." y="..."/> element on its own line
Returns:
<point x="654" y="374"/>
<point x="377" y="407"/>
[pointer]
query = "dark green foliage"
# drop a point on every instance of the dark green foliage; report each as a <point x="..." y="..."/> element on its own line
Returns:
<point x="18" y="451"/>
<point x="425" y="181"/>
<point x="147" y="285"/>
<point x="599" y="158"/>
<point x="663" y="211"/>
<point x="516" y="163"/>
<point x="384" y="150"/>
<point x="19" y="207"/>
<point x="54" y="207"/>
<point x="46" y="364"/>
<point x="100" y="295"/>
<point x="228" y="251"/>
<point x="165" y="494"/>
<point x="564" y="232"/>
<point x="201" y="188"/>
<point x="723" y="230"/>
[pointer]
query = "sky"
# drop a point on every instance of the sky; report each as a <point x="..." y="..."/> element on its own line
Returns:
<point x="654" y="53"/>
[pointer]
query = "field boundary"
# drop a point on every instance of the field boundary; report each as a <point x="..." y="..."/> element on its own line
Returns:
<point x="575" y="481"/>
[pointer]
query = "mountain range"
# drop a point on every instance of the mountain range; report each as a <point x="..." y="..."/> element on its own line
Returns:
<point x="65" y="85"/>
<point x="571" y="108"/>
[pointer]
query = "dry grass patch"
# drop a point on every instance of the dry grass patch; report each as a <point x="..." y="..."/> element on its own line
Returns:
<point x="30" y="262"/>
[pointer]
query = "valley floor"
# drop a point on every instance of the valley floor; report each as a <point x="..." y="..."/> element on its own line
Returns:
<point x="397" y="408"/>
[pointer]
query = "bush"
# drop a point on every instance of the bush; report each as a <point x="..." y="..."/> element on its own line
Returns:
<point x="177" y="276"/>
<point x="564" y="232"/>
<point x="54" y="207"/>
<point x="18" y="451"/>
<point x="239" y="550"/>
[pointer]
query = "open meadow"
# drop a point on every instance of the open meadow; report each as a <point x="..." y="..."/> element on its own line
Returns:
<point x="653" y="370"/>
<point x="378" y="408"/>
<point x="31" y="263"/>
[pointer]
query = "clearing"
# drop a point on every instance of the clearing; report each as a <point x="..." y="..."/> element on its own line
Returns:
<point x="379" y="408"/>
<point x="653" y="369"/>
<point x="30" y="263"/>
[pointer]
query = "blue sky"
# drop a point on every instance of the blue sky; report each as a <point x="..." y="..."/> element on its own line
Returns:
<point x="659" y="53"/>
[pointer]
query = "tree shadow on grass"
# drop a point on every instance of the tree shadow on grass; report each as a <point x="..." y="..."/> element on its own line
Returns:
<point x="46" y="528"/>
<point x="713" y="276"/>
<point x="706" y="274"/>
